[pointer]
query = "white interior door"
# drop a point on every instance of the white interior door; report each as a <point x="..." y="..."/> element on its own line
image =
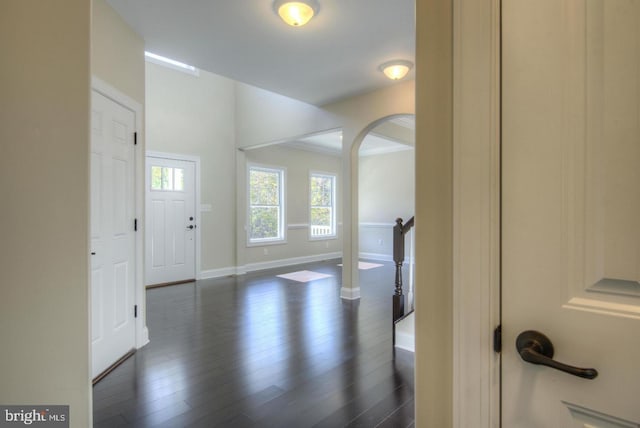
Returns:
<point x="112" y="232"/>
<point x="170" y="220"/>
<point x="571" y="210"/>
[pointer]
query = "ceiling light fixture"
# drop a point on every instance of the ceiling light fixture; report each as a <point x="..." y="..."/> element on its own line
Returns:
<point x="296" y="13"/>
<point x="396" y="69"/>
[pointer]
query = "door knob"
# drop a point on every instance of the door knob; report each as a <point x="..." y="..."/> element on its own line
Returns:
<point x="536" y="348"/>
<point x="191" y="227"/>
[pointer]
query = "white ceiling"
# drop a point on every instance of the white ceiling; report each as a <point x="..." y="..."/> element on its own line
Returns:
<point x="374" y="143"/>
<point x="335" y="56"/>
<point x="331" y="143"/>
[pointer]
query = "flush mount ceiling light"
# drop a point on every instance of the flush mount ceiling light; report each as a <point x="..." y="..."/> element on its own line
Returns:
<point x="396" y="69"/>
<point x="296" y="13"/>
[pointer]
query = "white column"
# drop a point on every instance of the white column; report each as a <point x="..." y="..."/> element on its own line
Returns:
<point x="350" y="276"/>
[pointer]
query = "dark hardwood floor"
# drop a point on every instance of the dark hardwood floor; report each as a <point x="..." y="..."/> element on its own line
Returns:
<point x="261" y="351"/>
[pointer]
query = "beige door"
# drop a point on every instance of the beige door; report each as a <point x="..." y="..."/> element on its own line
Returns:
<point x="571" y="210"/>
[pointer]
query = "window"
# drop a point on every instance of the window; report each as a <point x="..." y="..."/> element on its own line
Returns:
<point x="322" y="191"/>
<point x="266" y="204"/>
<point x="168" y="179"/>
<point x="171" y="63"/>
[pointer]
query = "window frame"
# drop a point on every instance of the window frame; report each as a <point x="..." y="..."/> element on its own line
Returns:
<point x="282" y="229"/>
<point x="334" y="209"/>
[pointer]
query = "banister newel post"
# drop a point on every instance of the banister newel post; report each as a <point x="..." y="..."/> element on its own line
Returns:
<point x="398" y="258"/>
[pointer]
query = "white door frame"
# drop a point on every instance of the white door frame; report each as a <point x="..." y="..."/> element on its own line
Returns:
<point x="198" y="216"/>
<point x="473" y="37"/>
<point x="103" y="88"/>
<point x="476" y="211"/>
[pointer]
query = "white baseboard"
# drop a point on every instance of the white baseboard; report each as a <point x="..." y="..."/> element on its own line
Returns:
<point x="406" y="333"/>
<point x="350" y="293"/>
<point x="143" y="339"/>
<point x="217" y="273"/>
<point x="250" y="267"/>
<point x="406" y="341"/>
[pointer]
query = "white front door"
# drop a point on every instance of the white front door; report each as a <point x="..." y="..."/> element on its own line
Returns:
<point x="571" y="211"/>
<point x="170" y="220"/>
<point x="112" y="232"/>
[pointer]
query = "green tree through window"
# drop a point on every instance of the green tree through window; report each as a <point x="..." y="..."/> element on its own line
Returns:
<point x="265" y="204"/>
<point x="322" y="191"/>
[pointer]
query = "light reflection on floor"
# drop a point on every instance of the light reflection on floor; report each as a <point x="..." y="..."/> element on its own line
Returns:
<point x="262" y="349"/>
<point x="278" y="337"/>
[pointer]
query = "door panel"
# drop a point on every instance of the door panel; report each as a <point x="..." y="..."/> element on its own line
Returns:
<point x="611" y="151"/>
<point x="157" y="213"/>
<point x="178" y="211"/>
<point x="112" y="234"/>
<point x="96" y="195"/>
<point x="121" y="214"/>
<point x="122" y="305"/>
<point x="571" y="209"/>
<point x="171" y="212"/>
<point x="96" y="307"/>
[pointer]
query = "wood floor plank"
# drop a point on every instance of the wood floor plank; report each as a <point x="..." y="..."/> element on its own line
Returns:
<point x="401" y="417"/>
<point x="116" y="421"/>
<point x="261" y="351"/>
<point x="382" y="409"/>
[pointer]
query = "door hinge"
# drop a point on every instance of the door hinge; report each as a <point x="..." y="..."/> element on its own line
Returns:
<point x="135" y="224"/>
<point x="135" y="311"/>
<point x="135" y="138"/>
<point x="497" y="339"/>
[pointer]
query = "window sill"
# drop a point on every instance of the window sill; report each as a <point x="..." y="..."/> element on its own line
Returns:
<point x="266" y="243"/>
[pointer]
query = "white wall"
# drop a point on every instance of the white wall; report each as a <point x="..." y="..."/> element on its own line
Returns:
<point x="195" y="115"/>
<point x="266" y="117"/>
<point x="117" y="52"/>
<point x="386" y="192"/>
<point x="298" y="164"/>
<point x="387" y="187"/>
<point x="44" y="188"/>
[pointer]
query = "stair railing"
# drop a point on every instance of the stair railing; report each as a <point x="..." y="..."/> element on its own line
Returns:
<point x="399" y="232"/>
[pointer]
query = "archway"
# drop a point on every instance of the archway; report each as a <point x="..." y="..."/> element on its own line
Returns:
<point x="387" y="143"/>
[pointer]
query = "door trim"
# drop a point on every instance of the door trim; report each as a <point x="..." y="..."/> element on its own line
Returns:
<point x="100" y="86"/>
<point x="198" y="216"/>
<point x="476" y="212"/>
